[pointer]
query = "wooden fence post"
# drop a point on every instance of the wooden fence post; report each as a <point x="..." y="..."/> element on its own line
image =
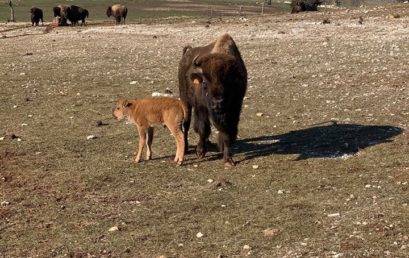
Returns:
<point x="11" y="11"/>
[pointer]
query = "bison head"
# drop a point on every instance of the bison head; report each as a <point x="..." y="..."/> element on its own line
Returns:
<point x="211" y="78"/>
<point x="109" y="11"/>
<point x="120" y="110"/>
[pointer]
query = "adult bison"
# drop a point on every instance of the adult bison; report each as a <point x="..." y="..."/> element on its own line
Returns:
<point x="118" y="11"/>
<point x="36" y="16"/>
<point x="213" y="81"/>
<point x="76" y="14"/>
<point x="62" y="11"/>
<point x="306" y="6"/>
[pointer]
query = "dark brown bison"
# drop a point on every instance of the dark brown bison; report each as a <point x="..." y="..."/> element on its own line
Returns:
<point x="213" y="81"/>
<point x="36" y="16"/>
<point x="119" y="12"/>
<point x="76" y="14"/>
<point x="306" y="6"/>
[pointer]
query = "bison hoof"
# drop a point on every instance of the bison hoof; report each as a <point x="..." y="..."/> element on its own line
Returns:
<point x="229" y="163"/>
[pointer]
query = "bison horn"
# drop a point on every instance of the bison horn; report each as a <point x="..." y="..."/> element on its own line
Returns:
<point x="195" y="63"/>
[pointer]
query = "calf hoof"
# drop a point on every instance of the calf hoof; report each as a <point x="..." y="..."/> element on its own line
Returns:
<point x="137" y="160"/>
<point x="148" y="158"/>
<point x="179" y="163"/>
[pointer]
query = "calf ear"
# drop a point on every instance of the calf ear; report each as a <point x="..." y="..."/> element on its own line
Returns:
<point x="196" y="79"/>
<point x="127" y="103"/>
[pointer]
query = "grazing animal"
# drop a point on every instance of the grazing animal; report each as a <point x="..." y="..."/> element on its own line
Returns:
<point x="119" y="12"/>
<point x="36" y="16"/>
<point x="213" y="81"/>
<point x="306" y="6"/>
<point x="148" y="111"/>
<point x="62" y="11"/>
<point x="76" y="14"/>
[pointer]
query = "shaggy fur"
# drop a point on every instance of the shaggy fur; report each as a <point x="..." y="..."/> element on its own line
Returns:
<point x="213" y="81"/>
<point x="62" y="11"/>
<point x="76" y="14"/>
<point x="119" y="12"/>
<point x="149" y="111"/>
<point x="36" y="16"/>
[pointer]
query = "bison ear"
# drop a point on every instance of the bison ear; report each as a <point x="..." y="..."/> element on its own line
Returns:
<point x="196" y="79"/>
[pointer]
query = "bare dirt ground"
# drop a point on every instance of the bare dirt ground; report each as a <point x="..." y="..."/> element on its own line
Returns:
<point x="303" y="185"/>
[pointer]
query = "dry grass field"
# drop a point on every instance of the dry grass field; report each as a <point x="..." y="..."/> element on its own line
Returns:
<point x="322" y="153"/>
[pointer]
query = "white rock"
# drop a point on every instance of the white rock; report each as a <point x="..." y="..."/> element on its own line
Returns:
<point x="1" y="138"/>
<point x="5" y="203"/>
<point x="280" y="192"/>
<point x="132" y="82"/>
<point x="255" y="166"/>
<point x="259" y="114"/>
<point x="332" y="215"/>
<point x="89" y="137"/>
<point x="246" y="247"/>
<point x="210" y="180"/>
<point x="114" y="228"/>
<point x="199" y="235"/>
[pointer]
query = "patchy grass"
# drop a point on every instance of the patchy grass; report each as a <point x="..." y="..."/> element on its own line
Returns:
<point x="322" y="188"/>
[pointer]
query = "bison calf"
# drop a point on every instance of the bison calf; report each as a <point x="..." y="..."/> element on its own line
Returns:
<point x="147" y="112"/>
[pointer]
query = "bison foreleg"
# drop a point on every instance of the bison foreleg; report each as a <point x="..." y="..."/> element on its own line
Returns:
<point x="186" y="126"/>
<point x="224" y="143"/>
<point x="202" y="127"/>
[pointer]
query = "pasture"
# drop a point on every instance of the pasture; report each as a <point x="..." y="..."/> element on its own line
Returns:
<point x="322" y="151"/>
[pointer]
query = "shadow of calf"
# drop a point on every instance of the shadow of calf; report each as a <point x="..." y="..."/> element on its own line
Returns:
<point x="329" y="141"/>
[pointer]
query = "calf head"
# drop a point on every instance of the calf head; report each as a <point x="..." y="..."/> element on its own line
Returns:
<point x="210" y="75"/>
<point x="121" y="109"/>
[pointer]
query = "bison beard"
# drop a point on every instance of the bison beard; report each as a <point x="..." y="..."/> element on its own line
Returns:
<point x="213" y="81"/>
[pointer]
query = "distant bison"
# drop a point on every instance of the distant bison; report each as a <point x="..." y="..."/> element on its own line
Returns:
<point x="76" y="14"/>
<point x="36" y="16"/>
<point x="306" y="6"/>
<point x="213" y="81"/>
<point x="61" y="11"/>
<point x="119" y="12"/>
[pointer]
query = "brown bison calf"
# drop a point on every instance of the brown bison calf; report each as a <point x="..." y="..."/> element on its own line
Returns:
<point x="147" y="112"/>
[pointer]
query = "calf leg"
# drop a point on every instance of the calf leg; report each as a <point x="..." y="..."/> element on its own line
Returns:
<point x="176" y="131"/>
<point x="202" y="127"/>
<point x="142" y="140"/>
<point x="149" y="133"/>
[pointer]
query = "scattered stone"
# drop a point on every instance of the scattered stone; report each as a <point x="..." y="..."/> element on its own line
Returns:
<point x="199" y="235"/>
<point x="5" y="203"/>
<point x="246" y="247"/>
<point x="89" y="137"/>
<point x="280" y="191"/>
<point x="155" y="37"/>
<point x="99" y="123"/>
<point x="133" y="82"/>
<point x="210" y="180"/>
<point x="259" y="114"/>
<point x="29" y="54"/>
<point x="255" y="166"/>
<point x="2" y="138"/>
<point x="114" y="228"/>
<point x="332" y="215"/>
<point x="326" y="21"/>
<point x="271" y="232"/>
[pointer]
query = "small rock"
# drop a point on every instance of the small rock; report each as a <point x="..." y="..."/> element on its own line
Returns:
<point x="259" y="114"/>
<point x="255" y="166"/>
<point x="332" y="215"/>
<point x="5" y="203"/>
<point x="326" y="21"/>
<point x="29" y="54"/>
<point x="89" y="137"/>
<point x="270" y="232"/>
<point x="112" y="229"/>
<point x="132" y="82"/>
<point x="280" y="192"/>
<point x="199" y="235"/>
<point x="246" y="247"/>
<point x="2" y="138"/>
<point x="210" y="180"/>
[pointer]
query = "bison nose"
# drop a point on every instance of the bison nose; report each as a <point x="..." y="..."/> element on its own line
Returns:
<point x="217" y="103"/>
